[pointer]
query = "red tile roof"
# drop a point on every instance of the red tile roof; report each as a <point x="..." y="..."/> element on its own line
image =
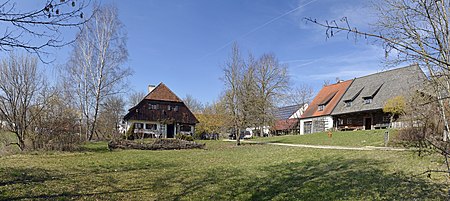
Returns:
<point x="329" y="95"/>
<point x="285" y="124"/>
<point x="162" y="93"/>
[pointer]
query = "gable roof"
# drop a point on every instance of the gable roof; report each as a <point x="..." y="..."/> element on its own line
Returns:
<point x="329" y="96"/>
<point x="379" y="87"/>
<point x="162" y="93"/>
<point x="164" y="99"/>
<point x="287" y="111"/>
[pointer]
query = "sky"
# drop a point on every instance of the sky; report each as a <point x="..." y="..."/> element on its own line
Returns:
<point x="184" y="43"/>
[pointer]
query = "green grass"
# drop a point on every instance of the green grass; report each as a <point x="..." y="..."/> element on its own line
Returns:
<point x="221" y="172"/>
<point x="339" y="138"/>
<point x="5" y="139"/>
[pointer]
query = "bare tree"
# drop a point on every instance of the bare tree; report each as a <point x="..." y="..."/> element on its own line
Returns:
<point x="56" y="126"/>
<point x="232" y="79"/>
<point x="34" y="30"/>
<point x="20" y="84"/>
<point x="95" y="68"/>
<point x="272" y="81"/>
<point x="110" y="117"/>
<point x="252" y="88"/>
<point x="135" y="98"/>
<point x="300" y="95"/>
<point x="193" y="104"/>
<point x="413" y="31"/>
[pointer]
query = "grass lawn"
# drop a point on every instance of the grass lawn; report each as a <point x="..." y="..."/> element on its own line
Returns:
<point x="6" y="138"/>
<point x="222" y="172"/>
<point x="339" y="138"/>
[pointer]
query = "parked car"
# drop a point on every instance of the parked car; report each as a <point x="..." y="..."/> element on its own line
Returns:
<point x="247" y="135"/>
<point x="243" y="135"/>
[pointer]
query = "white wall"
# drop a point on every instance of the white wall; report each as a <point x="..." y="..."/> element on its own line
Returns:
<point x="328" y="123"/>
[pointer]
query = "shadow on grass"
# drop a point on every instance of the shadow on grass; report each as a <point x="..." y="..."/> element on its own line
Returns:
<point x="325" y="179"/>
<point x="331" y="179"/>
<point x="328" y="179"/>
<point x="39" y="184"/>
<point x="12" y="176"/>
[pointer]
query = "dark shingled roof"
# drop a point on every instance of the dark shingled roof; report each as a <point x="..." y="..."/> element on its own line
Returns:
<point x="286" y="112"/>
<point x="380" y="87"/>
<point x="162" y="93"/>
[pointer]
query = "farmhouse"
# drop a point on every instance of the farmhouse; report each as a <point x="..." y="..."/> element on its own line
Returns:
<point x="287" y="119"/>
<point x="160" y="114"/>
<point x="317" y="117"/>
<point x="361" y="107"/>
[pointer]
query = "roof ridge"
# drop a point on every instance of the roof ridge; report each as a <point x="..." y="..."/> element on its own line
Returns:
<point x="162" y="85"/>
<point x="339" y="82"/>
<point x="171" y="91"/>
<point x="390" y="70"/>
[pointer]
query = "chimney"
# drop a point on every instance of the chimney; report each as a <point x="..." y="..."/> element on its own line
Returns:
<point x="151" y="87"/>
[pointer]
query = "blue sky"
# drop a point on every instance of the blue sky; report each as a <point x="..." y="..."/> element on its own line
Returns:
<point x="184" y="43"/>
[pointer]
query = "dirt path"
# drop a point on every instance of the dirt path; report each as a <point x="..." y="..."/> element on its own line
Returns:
<point x="367" y="148"/>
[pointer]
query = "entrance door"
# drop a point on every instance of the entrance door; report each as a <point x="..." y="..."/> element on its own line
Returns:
<point x="367" y="124"/>
<point x="307" y="127"/>
<point x="170" y="131"/>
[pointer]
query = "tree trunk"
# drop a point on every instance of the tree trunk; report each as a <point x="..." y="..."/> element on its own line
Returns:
<point x="238" y="137"/>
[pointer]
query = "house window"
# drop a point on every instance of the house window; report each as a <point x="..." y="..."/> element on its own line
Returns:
<point x="152" y="106"/>
<point x="169" y="107"/>
<point x="340" y="121"/>
<point x="348" y="104"/>
<point x="138" y="125"/>
<point x="150" y="126"/>
<point x="367" y="100"/>
<point x="349" y="121"/>
<point x="185" y="128"/>
<point x="175" y="109"/>
<point x="321" y="107"/>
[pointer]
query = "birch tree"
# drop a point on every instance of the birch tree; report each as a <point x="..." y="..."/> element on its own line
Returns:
<point x="95" y="68"/>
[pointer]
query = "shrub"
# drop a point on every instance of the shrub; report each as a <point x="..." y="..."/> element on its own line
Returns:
<point x="130" y="133"/>
<point x="184" y="137"/>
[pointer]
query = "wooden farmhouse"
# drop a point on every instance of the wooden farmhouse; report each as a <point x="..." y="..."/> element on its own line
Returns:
<point x="160" y="114"/>
<point x="361" y="107"/>
<point x="287" y="119"/>
<point x="317" y="117"/>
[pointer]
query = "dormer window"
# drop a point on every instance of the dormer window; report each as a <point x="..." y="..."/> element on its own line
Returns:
<point x="321" y="107"/>
<point x="368" y="101"/>
<point x="348" y="103"/>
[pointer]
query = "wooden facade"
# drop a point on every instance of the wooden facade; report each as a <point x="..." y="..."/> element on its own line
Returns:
<point x="161" y="114"/>
<point x="361" y="107"/>
<point x="366" y="120"/>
